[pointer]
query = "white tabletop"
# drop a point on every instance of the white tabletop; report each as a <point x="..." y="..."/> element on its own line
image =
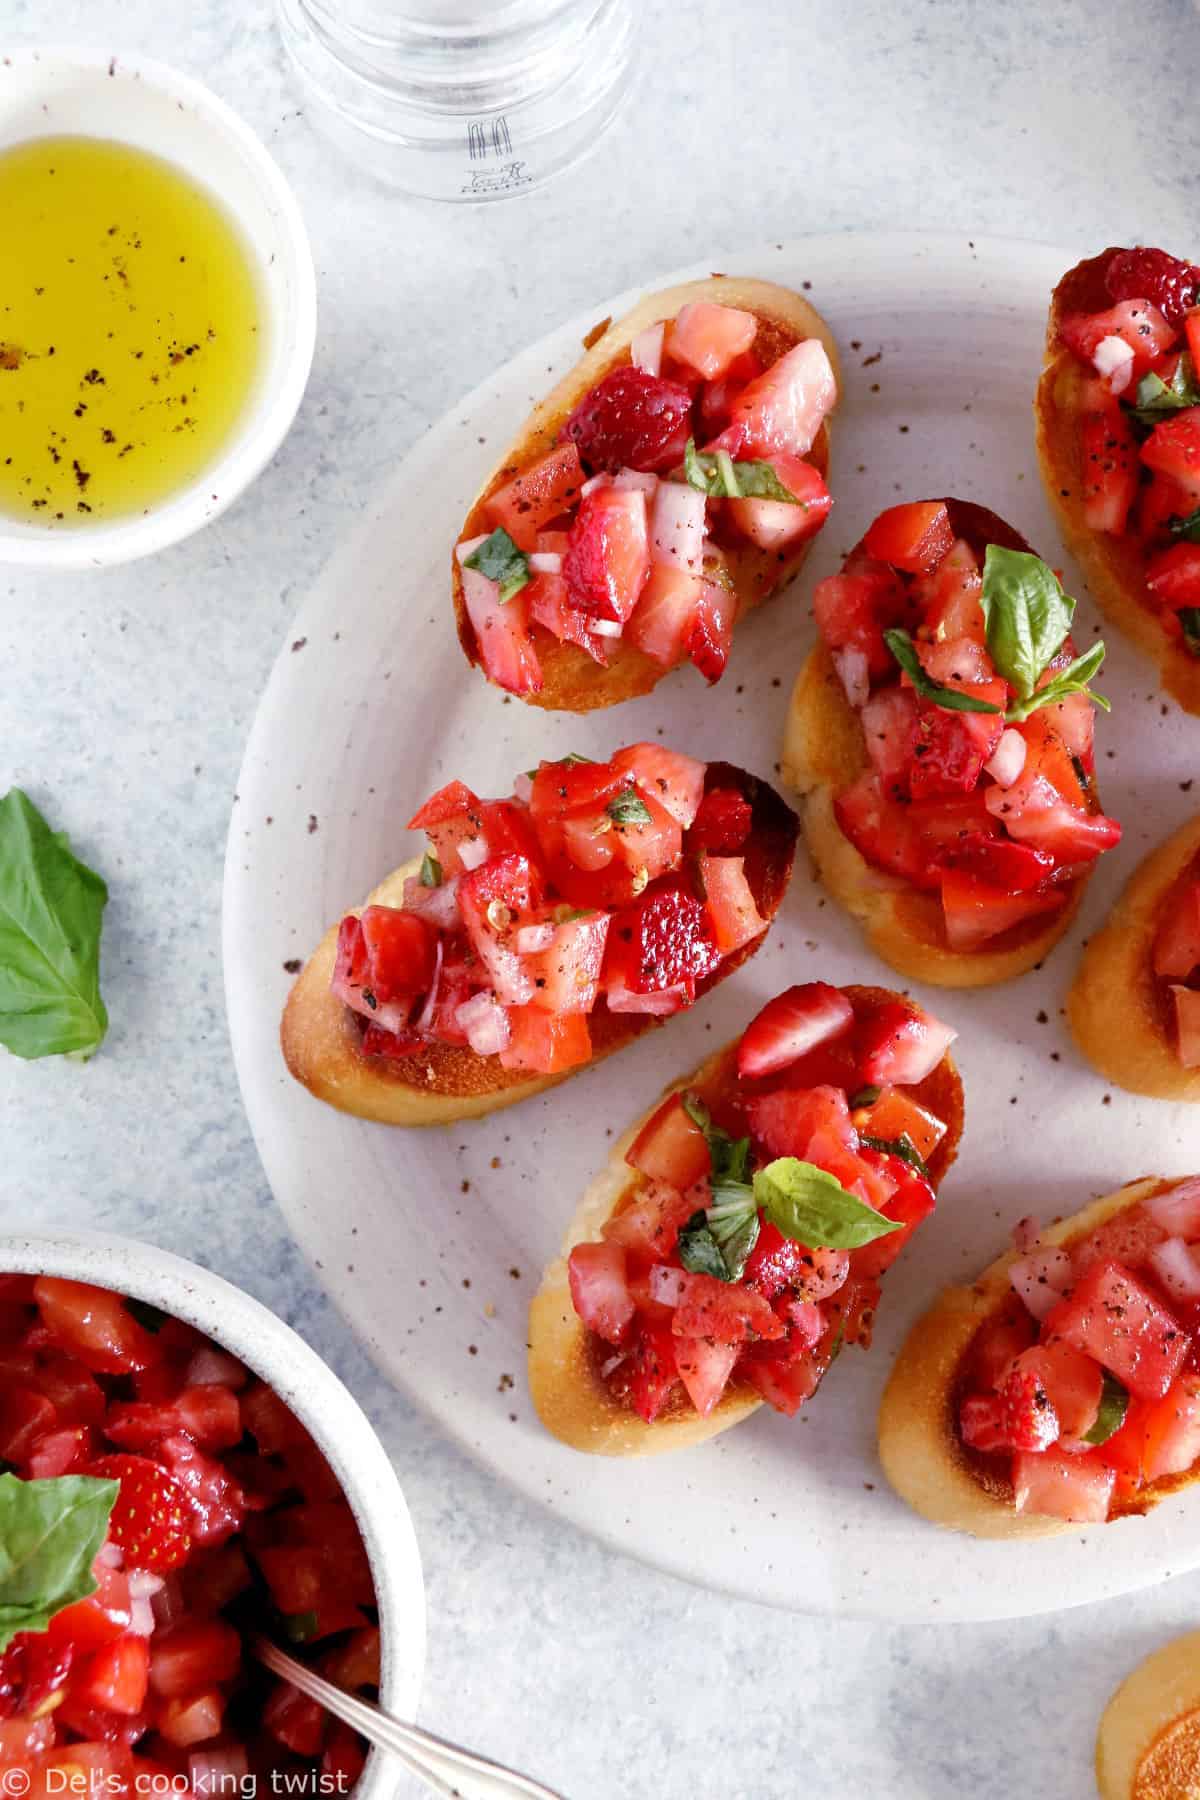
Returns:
<point x="127" y="697"/>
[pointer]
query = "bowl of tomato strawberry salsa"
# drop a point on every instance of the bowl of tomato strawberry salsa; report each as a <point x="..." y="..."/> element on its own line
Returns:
<point x="178" y="1471"/>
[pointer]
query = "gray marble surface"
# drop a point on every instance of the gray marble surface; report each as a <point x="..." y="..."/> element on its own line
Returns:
<point x="126" y="700"/>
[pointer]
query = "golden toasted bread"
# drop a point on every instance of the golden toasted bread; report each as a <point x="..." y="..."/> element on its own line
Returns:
<point x="824" y="752"/>
<point x="1148" y="1744"/>
<point x="1115" y="567"/>
<point x="571" y="680"/>
<point x="1117" y="1012"/>
<point x="922" y="1454"/>
<point x="434" y="1086"/>
<point x="572" y="1398"/>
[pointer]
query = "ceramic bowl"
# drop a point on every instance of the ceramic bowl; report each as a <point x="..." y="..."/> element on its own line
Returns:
<point x="96" y="93"/>
<point x="273" y="1351"/>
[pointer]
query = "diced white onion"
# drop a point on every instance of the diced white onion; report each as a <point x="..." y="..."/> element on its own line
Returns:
<point x="523" y="788"/>
<point x="646" y="350"/>
<point x="545" y="562"/>
<point x="142" y="1588"/>
<point x="532" y="938"/>
<point x="610" y="628"/>
<point x="1113" y="358"/>
<point x="468" y="547"/>
<point x="486" y="1024"/>
<point x="211" y="1367"/>
<point x="425" y="1017"/>
<point x="437" y="904"/>
<point x="1178" y="1209"/>
<point x="677" y="526"/>
<point x="1007" y="759"/>
<point x="854" y="673"/>
<point x="168" y="1602"/>
<point x="473" y="852"/>
<point x="1041" y="1279"/>
<point x="111" y="1555"/>
<point x="666" y="1284"/>
<point x="593" y="482"/>
<point x="611" y="1363"/>
<point x="1178" y="1268"/>
<point x="641" y="479"/>
<point x="218" y="1772"/>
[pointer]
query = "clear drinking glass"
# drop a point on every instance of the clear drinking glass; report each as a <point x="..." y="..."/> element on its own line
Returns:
<point x="461" y="99"/>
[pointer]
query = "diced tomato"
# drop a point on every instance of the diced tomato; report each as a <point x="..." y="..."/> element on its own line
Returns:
<point x="1034" y="812"/>
<point x="998" y="1343"/>
<point x="1114" y="1318"/>
<point x="66" y="1452"/>
<point x="889" y="722"/>
<point x="883" y="831"/>
<point x="546" y="1043"/>
<point x="704" y="1367"/>
<point x="1072" y="1381"/>
<point x="94" y="1325"/>
<point x="912" y="1201"/>
<point x="783" y="408"/>
<point x="723" y="1311"/>
<point x="653" y="1375"/>
<point x="526" y="505"/>
<point x="997" y="861"/>
<point x="790" y="1025"/>
<point x="1109" y="451"/>
<point x="853" y="610"/>
<point x="100" y="1619"/>
<point x="272" y="1424"/>
<point x="949" y="596"/>
<point x="294" y="1574"/>
<point x="662" y="622"/>
<point x="198" y="1653"/>
<point x="895" y="1115"/>
<point x="1173" y="576"/>
<point x="783" y="1384"/>
<point x="712" y="629"/>
<point x="787" y="1121"/>
<point x="1062" y="1486"/>
<point x="773" y="524"/>
<point x="648" y="1225"/>
<point x="566" y="975"/>
<point x="976" y="912"/>
<point x="192" y="1718"/>
<point x="343" y="1758"/>
<point x="608" y="555"/>
<point x="914" y="536"/>
<point x="1173" y="448"/>
<point x="355" y="1665"/>
<point x="671" y="779"/>
<point x="295" y="1720"/>
<point x="729" y="902"/>
<point x="671" y="1147"/>
<point x="600" y="1291"/>
<point x="1168" y="1431"/>
<point x="24" y="1417"/>
<point x="902" y="1044"/>
<point x="1135" y="323"/>
<point x="709" y="337"/>
<point x="494" y="900"/>
<point x="780" y="1265"/>
<point x="1127" y="1238"/>
<point x="723" y="822"/>
<point x="88" y="1768"/>
<point x="115" y="1678"/>
<point x="951" y="747"/>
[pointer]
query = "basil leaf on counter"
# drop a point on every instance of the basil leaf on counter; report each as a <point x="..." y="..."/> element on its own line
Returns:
<point x="811" y="1206"/>
<point x="628" y="808"/>
<point x="499" y="559"/>
<point x="1114" y="1404"/>
<point x="721" y="478"/>
<point x="951" y="699"/>
<point x="50" y="1532"/>
<point x="51" y="906"/>
<point x="1026" y="613"/>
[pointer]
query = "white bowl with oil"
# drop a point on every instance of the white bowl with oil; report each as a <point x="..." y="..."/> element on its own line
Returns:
<point x="134" y="103"/>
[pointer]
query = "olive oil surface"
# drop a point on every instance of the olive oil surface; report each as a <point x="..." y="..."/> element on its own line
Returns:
<point x="130" y="330"/>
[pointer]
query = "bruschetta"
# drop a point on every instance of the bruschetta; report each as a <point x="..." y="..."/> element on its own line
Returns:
<point x="672" y="481"/>
<point x="1134" y="1006"/>
<point x="1063" y="1387"/>
<point x="942" y="733"/>
<point x="736" y="1239"/>
<point x="538" y="933"/>
<point x="1148" y="1744"/>
<point x="1118" y="432"/>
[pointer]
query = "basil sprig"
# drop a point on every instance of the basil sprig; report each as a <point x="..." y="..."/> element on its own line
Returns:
<point x="1187" y="528"/>
<point x="499" y="559"/>
<point x="51" y="908"/>
<point x="628" y="808"/>
<point x="1189" y="619"/>
<point x="903" y="1147"/>
<point x="803" y="1202"/>
<point x="50" y="1532"/>
<point x="431" y="870"/>
<point x="1114" y="1404"/>
<point x="1073" y="680"/>
<point x="716" y="474"/>
<point x="951" y="699"/>
<point x="1155" y="398"/>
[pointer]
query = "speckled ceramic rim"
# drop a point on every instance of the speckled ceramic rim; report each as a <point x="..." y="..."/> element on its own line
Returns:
<point x="121" y="96"/>
<point x="275" y="1352"/>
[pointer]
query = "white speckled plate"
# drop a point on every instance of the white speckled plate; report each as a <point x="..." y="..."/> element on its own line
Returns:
<point x="431" y="1242"/>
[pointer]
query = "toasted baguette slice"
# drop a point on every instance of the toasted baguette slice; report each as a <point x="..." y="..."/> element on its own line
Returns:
<point x="1148" y="1744"/>
<point x="1115" y="567"/>
<point x="823" y="752"/>
<point x="1117" y="1017"/>
<point x="919" y="1445"/>
<point x="572" y="1399"/>
<point x="571" y="681"/>
<point x="435" y="1086"/>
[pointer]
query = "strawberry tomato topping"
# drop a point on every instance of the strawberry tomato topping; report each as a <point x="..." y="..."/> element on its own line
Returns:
<point x="696" y="450"/>
<point x="953" y="645"/>
<point x="765" y="1206"/>
<point x="1084" y="1391"/>
<point x="621" y="886"/>
<point x="1175" y="960"/>
<point x="220" y="1515"/>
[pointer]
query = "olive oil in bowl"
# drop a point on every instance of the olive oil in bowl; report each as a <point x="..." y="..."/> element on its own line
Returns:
<point x="131" y="331"/>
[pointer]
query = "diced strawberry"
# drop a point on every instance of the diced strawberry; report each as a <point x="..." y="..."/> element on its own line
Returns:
<point x="722" y="823"/>
<point x="853" y="610"/>
<point x="151" y="1519"/>
<point x="671" y="1147"/>
<point x="272" y="1424"/>
<point x="998" y="1343"/>
<point x="1173" y="448"/>
<point x="95" y="1326"/>
<point x="662" y="622"/>
<point x="196" y="1654"/>
<point x="449" y="804"/>
<point x="297" y="1722"/>
<point x="648" y="1225"/>
<point x="1029" y="1421"/>
<point x="653" y="1375"/>
<point x="343" y="1758"/>
<point x="982" y="1424"/>
<point x="951" y="747"/>
<point x="1109" y="451"/>
<point x="712" y="629"/>
<point x="783" y="1384"/>
<point x="550" y="606"/>
<point x="723" y="1311"/>
<point x="779" y="1265"/>
<point x="729" y="902"/>
<point x="502" y="637"/>
<point x="608" y="556"/>
<point x="548" y="488"/>
<point x="914" y="536"/>
<point x="217" y="1506"/>
<point x="192" y="1718"/>
<point x="787" y="1120"/>
<point x="889" y="722"/>
<point x="902" y="1044"/>
<point x="600" y="1291"/>
<point x="912" y="1201"/>
<point x="773" y="524"/>
<point x="566" y="975"/>
<point x="631" y="420"/>
<point x="494" y="900"/>
<point x="709" y="337"/>
<point x="998" y="862"/>
<point x="661" y="941"/>
<point x="1145" y="273"/>
<point x="1134" y="323"/>
<point x="24" y="1417"/>
<point x="1114" y="1318"/>
<point x="1034" y="812"/>
<point x="209" y="1414"/>
<point x="1073" y="1382"/>
<point x="783" y="408"/>
<point x="790" y="1025"/>
<point x="704" y="1368"/>
<point x="949" y="596"/>
<point x="100" y="1619"/>
<point x="882" y="831"/>
<point x="32" y="1669"/>
<point x="1173" y="576"/>
<point x="546" y="1043"/>
<point x="1127" y="1238"/>
<point x="976" y="912"/>
<point x="672" y="780"/>
<point x="67" y="1452"/>
<point x="115" y="1679"/>
<point x="1062" y="1486"/>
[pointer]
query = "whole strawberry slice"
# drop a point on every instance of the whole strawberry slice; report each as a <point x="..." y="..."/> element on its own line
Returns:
<point x="792" y="1024"/>
<point x="151" y="1520"/>
<point x="631" y="420"/>
<point x="1148" y="274"/>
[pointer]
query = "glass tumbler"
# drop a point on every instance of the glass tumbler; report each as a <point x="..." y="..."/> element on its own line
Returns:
<point x="461" y="99"/>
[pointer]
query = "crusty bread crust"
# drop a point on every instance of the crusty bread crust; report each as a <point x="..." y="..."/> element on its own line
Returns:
<point x="571" y="1398"/>
<point x="571" y="681"/>
<point x="321" y="1042"/>
<point x="1117" y="1016"/>
<point x="1148" y="1744"/>
<point x="824" y="752"/>
<point x="1115" y="567"/>
<point x="919" y="1445"/>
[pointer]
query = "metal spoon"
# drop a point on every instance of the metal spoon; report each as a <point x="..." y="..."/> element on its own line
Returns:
<point x="431" y="1758"/>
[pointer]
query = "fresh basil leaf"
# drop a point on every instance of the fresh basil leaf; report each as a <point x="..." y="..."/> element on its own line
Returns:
<point x="903" y="1147"/>
<point x="1156" y="398"/>
<point x="866" y="1096"/>
<point x="699" y="1251"/>
<point x="300" y="1627"/>
<point x="431" y="871"/>
<point x="951" y="699"/>
<point x="696" y="1111"/>
<point x="1026" y="613"/>
<point x="572" y="757"/>
<point x="1114" y="1403"/>
<point x="721" y="478"/>
<point x="730" y="1156"/>
<point x="811" y="1206"/>
<point x="1189" y="619"/>
<point x="1187" y="528"/>
<point x="1073" y="680"/>
<point x="628" y="808"/>
<point x="734" y="1225"/>
<point x="499" y="559"/>
<point x="51" y="907"/>
<point x="50" y="1532"/>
